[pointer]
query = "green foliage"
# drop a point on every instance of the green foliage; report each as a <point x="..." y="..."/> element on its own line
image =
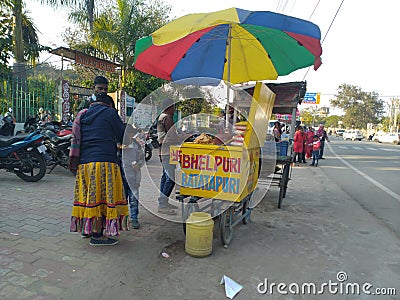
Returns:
<point x="360" y="107"/>
<point x="311" y="117"/>
<point x="43" y="87"/>
<point x="385" y="123"/>
<point x="194" y="106"/>
<point x="32" y="47"/>
<point x="332" y="121"/>
<point x="5" y="39"/>
<point x="18" y="36"/>
<point x="306" y="117"/>
<point x="139" y="85"/>
<point x="41" y="92"/>
<point x="116" y="28"/>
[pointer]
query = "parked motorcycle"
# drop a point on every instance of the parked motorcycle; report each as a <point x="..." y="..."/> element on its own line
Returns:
<point x="151" y="142"/>
<point x="32" y="124"/>
<point x="22" y="155"/>
<point x="57" y="149"/>
<point x="58" y="128"/>
<point x="64" y="131"/>
<point x="8" y="126"/>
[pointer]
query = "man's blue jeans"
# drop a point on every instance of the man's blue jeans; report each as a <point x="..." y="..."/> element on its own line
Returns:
<point x="132" y="195"/>
<point x="315" y="157"/>
<point x="167" y="182"/>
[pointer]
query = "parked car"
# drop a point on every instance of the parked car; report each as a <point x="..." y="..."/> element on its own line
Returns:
<point x="393" y="138"/>
<point x="353" y="135"/>
<point x="339" y="132"/>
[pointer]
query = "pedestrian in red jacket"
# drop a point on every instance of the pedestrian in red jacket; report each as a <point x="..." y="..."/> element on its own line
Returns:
<point x="298" y="144"/>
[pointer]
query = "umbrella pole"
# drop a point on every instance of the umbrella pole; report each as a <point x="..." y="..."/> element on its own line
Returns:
<point x="229" y="78"/>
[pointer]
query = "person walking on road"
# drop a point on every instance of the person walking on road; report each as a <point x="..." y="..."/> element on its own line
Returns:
<point x="323" y="136"/>
<point x="100" y="209"/>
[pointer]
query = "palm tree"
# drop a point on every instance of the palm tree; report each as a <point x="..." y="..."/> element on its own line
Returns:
<point x="116" y="31"/>
<point x="84" y="14"/>
<point x="113" y="35"/>
<point x="5" y="39"/>
<point x="24" y="46"/>
<point x="19" y="21"/>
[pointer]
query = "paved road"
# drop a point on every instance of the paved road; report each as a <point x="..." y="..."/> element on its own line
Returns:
<point x="370" y="174"/>
<point x="320" y="230"/>
<point x="380" y="161"/>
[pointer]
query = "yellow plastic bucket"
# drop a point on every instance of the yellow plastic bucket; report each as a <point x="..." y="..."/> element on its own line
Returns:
<point x="199" y="234"/>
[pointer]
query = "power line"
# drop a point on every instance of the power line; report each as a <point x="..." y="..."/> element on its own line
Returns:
<point x="332" y="21"/>
<point x="329" y="28"/>
<point x="314" y="10"/>
<point x="278" y="5"/>
<point x="294" y="3"/>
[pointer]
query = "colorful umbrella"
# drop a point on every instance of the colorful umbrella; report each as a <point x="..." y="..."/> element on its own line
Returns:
<point x="233" y="45"/>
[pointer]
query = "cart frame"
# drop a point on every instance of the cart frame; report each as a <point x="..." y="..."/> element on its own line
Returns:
<point x="240" y="210"/>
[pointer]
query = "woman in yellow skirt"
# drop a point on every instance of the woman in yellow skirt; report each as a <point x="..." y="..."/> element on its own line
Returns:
<point x="100" y="209"/>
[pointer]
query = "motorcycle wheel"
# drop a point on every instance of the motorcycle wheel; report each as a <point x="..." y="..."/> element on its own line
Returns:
<point x="147" y="154"/>
<point x="33" y="166"/>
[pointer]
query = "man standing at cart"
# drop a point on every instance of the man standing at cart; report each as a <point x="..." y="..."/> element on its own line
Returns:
<point x="167" y="136"/>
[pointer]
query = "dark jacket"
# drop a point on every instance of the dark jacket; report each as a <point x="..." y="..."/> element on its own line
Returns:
<point x="101" y="130"/>
<point x="133" y="152"/>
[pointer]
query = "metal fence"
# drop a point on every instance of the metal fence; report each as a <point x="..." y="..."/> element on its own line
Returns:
<point x="26" y="97"/>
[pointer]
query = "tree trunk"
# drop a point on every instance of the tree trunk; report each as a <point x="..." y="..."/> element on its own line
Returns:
<point x="18" y="41"/>
<point x="19" y="72"/>
<point x="90" y="13"/>
<point x="19" y="91"/>
<point x="19" y="86"/>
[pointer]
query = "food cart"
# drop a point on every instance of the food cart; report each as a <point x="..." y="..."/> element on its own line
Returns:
<point x="288" y="96"/>
<point x="221" y="178"/>
<point x="225" y="174"/>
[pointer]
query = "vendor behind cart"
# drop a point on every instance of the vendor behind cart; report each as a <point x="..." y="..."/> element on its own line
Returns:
<point x="167" y="136"/>
<point x="231" y="115"/>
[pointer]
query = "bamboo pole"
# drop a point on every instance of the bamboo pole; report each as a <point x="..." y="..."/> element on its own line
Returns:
<point x="229" y="42"/>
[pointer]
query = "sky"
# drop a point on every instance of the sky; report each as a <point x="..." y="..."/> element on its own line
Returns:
<point x="361" y="48"/>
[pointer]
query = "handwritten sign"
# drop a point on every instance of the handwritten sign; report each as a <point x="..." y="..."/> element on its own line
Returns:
<point x="93" y="62"/>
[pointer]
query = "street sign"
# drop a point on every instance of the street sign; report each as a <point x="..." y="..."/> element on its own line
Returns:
<point x="312" y="98"/>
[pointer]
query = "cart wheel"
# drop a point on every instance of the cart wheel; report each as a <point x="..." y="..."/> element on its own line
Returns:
<point x="225" y="226"/>
<point x="282" y="186"/>
<point x="246" y="207"/>
<point x="189" y="208"/>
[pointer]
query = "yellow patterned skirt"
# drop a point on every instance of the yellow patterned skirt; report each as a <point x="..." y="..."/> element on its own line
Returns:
<point x="99" y="202"/>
